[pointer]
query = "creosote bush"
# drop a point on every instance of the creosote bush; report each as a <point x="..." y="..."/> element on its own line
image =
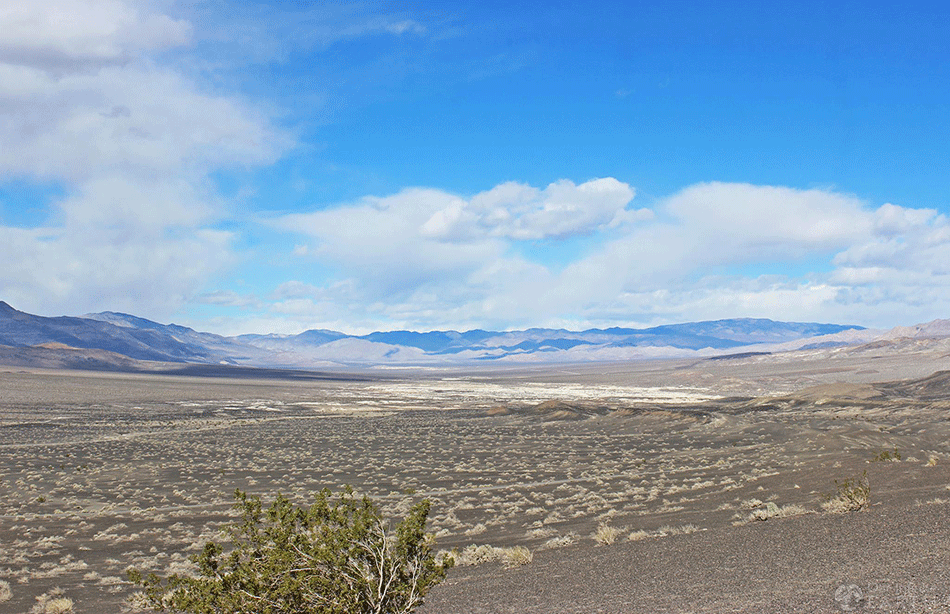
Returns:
<point x="334" y="557"/>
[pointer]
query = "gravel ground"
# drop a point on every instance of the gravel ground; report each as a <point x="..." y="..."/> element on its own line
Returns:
<point x="892" y="557"/>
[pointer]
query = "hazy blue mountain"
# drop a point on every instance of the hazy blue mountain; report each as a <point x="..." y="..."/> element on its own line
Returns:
<point x="125" y="320"/>
<point x="741" y="330"/>
<point x="141" y="339"/>
<point x="19" y="329"/>
<point x="489" y="345"/>
<point x="752" y="330"/>
<point x="319" y="337"/>
<point x="212" y="347"/>
<point x="308" y="337"/>
<point x="435" y="341"/>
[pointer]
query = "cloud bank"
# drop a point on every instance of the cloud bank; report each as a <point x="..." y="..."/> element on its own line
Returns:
<point x="88" y="105"/>
<point x="427" y="258"/>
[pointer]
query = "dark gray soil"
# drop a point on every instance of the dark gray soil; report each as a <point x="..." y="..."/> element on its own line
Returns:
<point x="892" y="557"/>
<point x="100" y="472"/>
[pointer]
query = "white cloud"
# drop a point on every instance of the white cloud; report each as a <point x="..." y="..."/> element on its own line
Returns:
<point x="137" y="120"/>
<point x="425" y="258"/>
<point x="228" y="298"/>
<point x="518" y="211"/>
<point x="423" y="255"/>
<point x="382" y="240"/>
<point x="896" y="254"/>
<point x="81" y="35"/>
<point x="84" y="103"/>
<point x="429" y="230"/>
<point x="891" y="220"/>
<point x="777" y="218"/>
<point x="59" y="271"/>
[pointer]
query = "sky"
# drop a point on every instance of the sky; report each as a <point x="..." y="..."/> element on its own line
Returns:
<point x="243" y="166"/>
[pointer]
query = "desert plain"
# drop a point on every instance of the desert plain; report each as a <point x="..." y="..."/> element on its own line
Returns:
<point x="658" y="486"/>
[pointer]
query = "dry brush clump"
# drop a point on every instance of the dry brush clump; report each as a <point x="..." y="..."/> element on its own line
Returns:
<point x="512" y="557"/>
<point x="760" y="511"/>
<point x="560" y="541"/>
<point x="852" y="495"/>
<point x="516" y="556"/>
<point x="663" y="531"/>
<point x="53" y="602"/>
<point x="606" y="534"/>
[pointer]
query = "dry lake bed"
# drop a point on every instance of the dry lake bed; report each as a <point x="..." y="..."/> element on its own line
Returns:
<point x="599" y="466"/>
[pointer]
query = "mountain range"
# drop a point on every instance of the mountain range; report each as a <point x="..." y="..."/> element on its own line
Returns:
<point x="110" y="340"/>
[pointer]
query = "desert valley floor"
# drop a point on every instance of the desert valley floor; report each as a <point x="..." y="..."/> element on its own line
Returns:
<point x="700" y="486"/>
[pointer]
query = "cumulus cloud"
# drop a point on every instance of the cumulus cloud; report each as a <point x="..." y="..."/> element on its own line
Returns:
<point x="138" y="119"/>
<point x="426" y="255"/>
<point x="380" y="239"/>
<point x="82" y="35"/>
<point x="711" y="250"/>
<point x="521" y="212"/>
<point x="60" y="271"/>
<point x="774" y="216"/>
<point x="861" y="263"/>
<point x="84" y="103"/>
<point x="721" y="225"/>
<point x="430" y="229"/>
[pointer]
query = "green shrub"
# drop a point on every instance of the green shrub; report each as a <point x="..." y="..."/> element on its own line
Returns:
<point x="886" y="455"/>
<point x="334" y="557"/>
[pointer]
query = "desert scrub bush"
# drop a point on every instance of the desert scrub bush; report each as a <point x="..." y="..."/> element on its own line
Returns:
<point x="853" y="494"/>
<point x="53" y="602"/>
<point x="606" y="534"/>
<point x="477" y="529"/>
<point x="515" y="556"/>
<point x="751" y="504"/>
<point x="639" y="534"/>
<point x="886" y="455"/>
<point x="663" y="531"/>
<point x="561" y="541"/>
<point x="6" y="593"/>
<point x="476" y="555"/>
<point x="337" y="556"/>
<point x="772" y="510"/>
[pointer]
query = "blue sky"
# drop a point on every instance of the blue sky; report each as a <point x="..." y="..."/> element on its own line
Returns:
<point x="278" y="166"/>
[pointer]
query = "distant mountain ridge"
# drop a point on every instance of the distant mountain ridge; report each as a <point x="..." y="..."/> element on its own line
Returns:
<point x="141" y="339"/>
<point x="716" y="334"/>
<point x="19" y="329"/>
